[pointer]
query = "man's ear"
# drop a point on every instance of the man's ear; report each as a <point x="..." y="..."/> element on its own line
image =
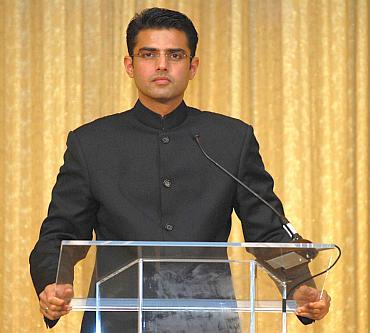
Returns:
<point x="129" y="66"/>
<point x="193" y="67"/>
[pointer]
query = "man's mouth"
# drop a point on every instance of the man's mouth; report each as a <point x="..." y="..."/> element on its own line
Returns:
<point x="161" y="80"/>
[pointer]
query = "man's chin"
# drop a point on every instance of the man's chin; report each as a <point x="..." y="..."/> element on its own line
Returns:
<point x="164" y="98"/>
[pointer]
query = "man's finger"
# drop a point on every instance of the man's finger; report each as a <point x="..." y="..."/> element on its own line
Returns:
<point x="318" y="305"/>
<point x="43" y="305"/>
<point x="64" y="292"/>
<point x="43" y="296"/>
<point x="55" y="301"/>
<point x="311" y="309"/>
<point x="68" y="295"/>
<point x="52" y="315"/>
<point x="49" y="308"/>
<point x="316" y="313"/>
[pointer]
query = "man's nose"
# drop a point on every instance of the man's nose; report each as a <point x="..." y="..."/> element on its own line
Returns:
<point x="162" y="62"/>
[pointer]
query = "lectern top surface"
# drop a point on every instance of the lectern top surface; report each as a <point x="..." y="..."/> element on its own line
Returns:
<point x="196" y="244"/>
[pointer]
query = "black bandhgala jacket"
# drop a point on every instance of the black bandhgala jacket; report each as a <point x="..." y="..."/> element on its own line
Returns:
<point x="139" y="176"/>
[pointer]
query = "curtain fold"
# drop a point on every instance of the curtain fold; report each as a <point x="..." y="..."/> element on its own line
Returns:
<point x="298" y="71"/>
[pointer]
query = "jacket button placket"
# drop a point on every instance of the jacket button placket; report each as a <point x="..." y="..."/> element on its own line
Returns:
<point x="165" y="145"/>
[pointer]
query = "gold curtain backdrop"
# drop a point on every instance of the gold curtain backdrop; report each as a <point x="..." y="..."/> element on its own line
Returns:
<point x="296" y="70"/>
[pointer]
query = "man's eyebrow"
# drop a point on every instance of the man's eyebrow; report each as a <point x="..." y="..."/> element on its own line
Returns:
<point x="155" y="49"/>
<point x="148" y="49"/>
<point x="176" y="50"/>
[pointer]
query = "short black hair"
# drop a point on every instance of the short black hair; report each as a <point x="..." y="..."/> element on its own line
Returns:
<point x="161" y="18"/>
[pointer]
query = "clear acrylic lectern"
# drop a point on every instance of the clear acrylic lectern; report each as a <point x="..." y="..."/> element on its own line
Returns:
<point x="160" y="287"/>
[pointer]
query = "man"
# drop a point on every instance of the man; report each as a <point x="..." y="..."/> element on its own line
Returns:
<point x="140" y="175"/>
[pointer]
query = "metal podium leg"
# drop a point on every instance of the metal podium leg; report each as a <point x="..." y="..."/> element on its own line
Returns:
<point x="252" y="295"/>
<point x="97" y="310"/>
<point x="140" y="297"/>
<point x="283" y="314"/>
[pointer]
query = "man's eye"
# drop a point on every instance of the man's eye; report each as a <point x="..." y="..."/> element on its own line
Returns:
<point x="176" y="55"/>
<point x="148" y="55"/>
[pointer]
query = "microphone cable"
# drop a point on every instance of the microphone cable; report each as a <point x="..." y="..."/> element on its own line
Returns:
<point x="284" y="221"/>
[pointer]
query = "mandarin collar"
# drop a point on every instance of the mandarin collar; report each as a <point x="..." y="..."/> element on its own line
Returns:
<point x="154" y="120"/>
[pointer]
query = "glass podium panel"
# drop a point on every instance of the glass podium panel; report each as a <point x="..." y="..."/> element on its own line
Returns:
<point x="160" y="287"/>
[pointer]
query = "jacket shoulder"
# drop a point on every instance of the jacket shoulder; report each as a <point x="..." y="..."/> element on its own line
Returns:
<point x="108" y="121"/>
<point x="104" y="124"/>
<point x="217" y="120"/>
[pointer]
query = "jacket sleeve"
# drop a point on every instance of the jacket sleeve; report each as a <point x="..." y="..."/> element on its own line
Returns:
<point x="259" y="222"/>
<point x="71" y="216"/>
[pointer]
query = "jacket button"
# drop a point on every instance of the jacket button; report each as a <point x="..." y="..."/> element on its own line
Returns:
<point x="165" y="139"/>
<point x="168" y="227"/>
<point x="167" y="183"/>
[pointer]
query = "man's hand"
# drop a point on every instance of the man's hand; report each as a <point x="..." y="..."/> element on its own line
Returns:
<point x="55" y="299"/>
<point x="311" y="303"/>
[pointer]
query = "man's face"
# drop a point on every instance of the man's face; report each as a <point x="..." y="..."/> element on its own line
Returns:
<point x="161" y="79"/>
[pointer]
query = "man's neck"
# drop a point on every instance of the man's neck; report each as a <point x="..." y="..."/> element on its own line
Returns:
<point x="162" y="109"/>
